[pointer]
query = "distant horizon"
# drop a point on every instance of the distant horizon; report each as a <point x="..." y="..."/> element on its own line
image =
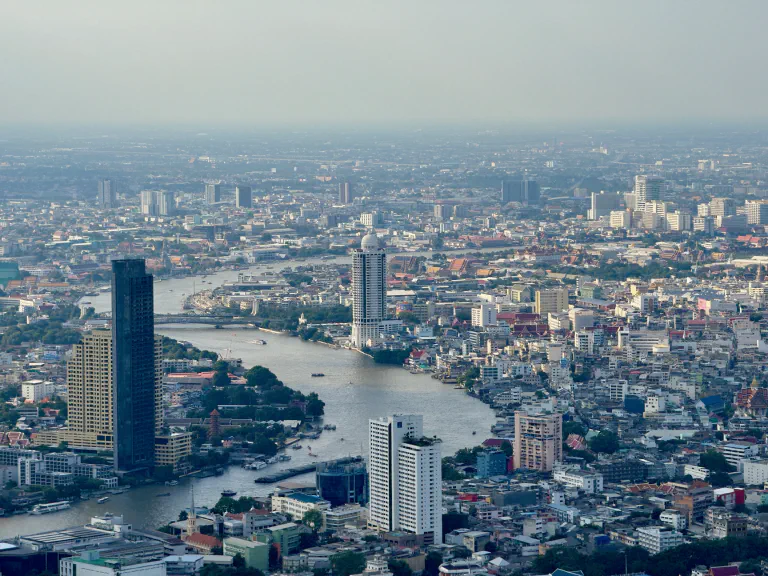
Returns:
<point x="690" y="125"/>
<point x="397" y="62"/>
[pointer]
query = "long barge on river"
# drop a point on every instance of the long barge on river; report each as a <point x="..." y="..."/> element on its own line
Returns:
<point x="291" y="472"/>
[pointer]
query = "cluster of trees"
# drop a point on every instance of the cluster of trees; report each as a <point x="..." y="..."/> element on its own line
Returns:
<point x="314" y="335"/>
<point x="264" y="398"/>
<point x="348" y="563"/>
<point x="718" y="468"/>
<point x="176" y="350"/>
<point x="282" y="319"/>
<point x="297" y="279"/>
<point x="606" y="442"/>
<point x="45" y="331"/>
<point x="242" y="504"/>
<point x="8" y="415"/>
<point x="397" y="357"/>
<point x="679" y="560"/>
<point x="655" y="269"/>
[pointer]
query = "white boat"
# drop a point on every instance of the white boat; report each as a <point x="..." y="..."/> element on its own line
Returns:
<point x="48" y="508"/>
<point x="258" y="465"/>
<point x="283" y="458"/>
<point x="102" y="500"/>
<point x="172" y="483"/>
<point x="272" y="460"/>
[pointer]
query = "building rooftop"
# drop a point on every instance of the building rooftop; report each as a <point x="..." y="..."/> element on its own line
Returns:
<point x="422" y="442"/>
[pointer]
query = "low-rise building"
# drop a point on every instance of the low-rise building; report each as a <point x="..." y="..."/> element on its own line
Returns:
<point x="721" y="523"/>
<point x="91" y="564"/>
<point x="586" y="480"/>
<point x="296" y="504"/>
<point x="173" y="450"/>
<point x="255" y="554"/>
<point x="657" y="539"/>
<point x="674" y="519"/>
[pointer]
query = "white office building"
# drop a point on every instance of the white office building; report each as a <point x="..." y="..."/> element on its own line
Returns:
<point x="674" y="519"/>
<point x="621" y="219"/>
<point x="36" y="390"/>
<point x="484" y="315"/>
<point x="585" y="480"/>
<point x="648" y="188"/>
<point x="755" y="472"/>
<point x="581" y="318"/>
<point x="405" y="477"/>
<point x="369" y="291"/>
<point x="657" y="539"/>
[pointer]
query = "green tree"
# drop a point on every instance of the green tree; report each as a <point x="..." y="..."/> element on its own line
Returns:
<point x="572" y="427"/>
<point x="221" y="379"/>
<point x="432" y="563"/>
<point x="347" y="563"/>
<point x="720" y="479"/>
<point x="313" y="519"/>
<point x="605" y="442"/>
<point x="399" y="568"/>
<point x="183" y="516"/>
<point x="714" y="461"/>
<point x="261" y="377"/>
<point x="315" y="406"/>
<point x="308" y="540"/>
<point x="462" y="552"/>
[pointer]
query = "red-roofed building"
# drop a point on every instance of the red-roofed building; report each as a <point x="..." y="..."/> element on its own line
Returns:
<point x="724" y="571"/>
<point x="202" y="543"/>
<point x="576" y="442"/>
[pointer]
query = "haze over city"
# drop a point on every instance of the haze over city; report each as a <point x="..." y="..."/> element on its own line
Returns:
<point x="427" y="288"/>
<point x="242" y="63"/>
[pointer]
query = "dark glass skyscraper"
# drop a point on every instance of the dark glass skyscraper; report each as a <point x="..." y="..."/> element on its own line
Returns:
<point x="133" y="365"/>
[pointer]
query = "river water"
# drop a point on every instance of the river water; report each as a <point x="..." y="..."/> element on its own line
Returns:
<point x="354" y="390"/>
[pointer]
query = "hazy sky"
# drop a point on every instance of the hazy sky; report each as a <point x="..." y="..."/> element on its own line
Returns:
<point x="381" y="61"/>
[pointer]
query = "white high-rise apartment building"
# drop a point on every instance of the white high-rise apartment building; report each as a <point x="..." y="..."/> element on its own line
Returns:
<point x="757" y="211"/>
<point x="679" y="221"/>
<point x="621" y="219"/>
<point x="603" y="204"/>
<point x="405" y="477"/>
<point x="420" y="494"/>
<point x="648" y="188"/>
<point x="722" y="207"/>
<point x="369" y="291"/>
<point x="484" y="315"/>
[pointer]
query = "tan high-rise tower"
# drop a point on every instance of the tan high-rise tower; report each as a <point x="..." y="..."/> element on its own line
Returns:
<point x="90" y="394"/>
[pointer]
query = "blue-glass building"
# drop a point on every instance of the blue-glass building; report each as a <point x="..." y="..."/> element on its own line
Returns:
<point x="491" y="463"/>
<point x="343" y="484"/>
<point x="133" y="365"/>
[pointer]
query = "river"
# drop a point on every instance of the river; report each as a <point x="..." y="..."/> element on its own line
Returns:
<point x="354" y="390"/>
